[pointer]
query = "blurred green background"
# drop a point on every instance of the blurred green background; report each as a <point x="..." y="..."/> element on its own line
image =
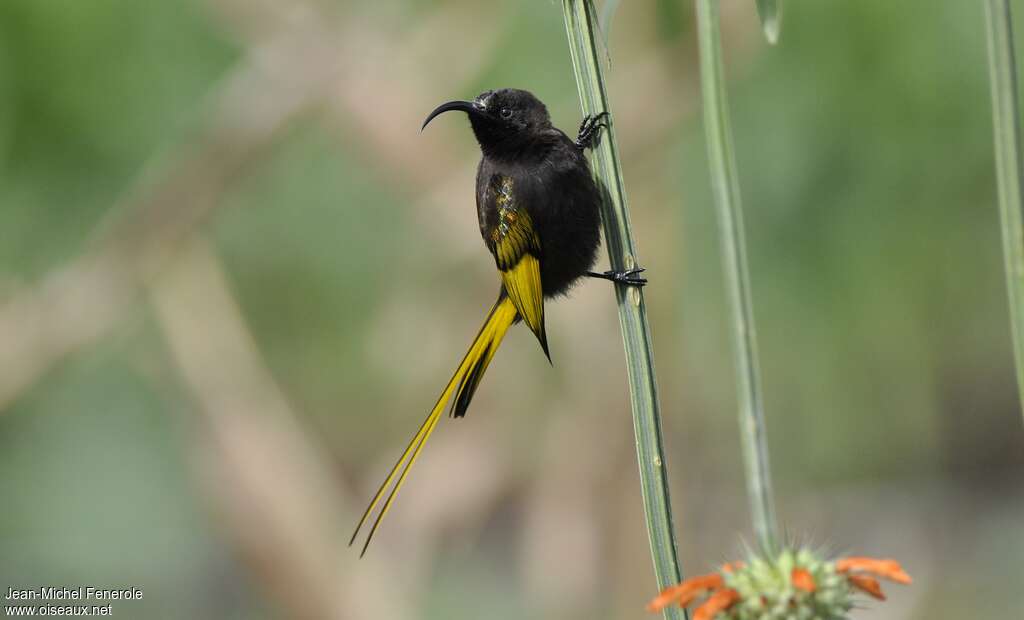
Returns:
<point x="234" y="274"/>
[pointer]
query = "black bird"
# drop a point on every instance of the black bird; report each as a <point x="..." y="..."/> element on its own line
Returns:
<point x="539" y="212"/>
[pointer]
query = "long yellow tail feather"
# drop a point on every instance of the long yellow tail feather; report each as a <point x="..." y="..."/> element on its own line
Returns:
<point x="467" y="376"/>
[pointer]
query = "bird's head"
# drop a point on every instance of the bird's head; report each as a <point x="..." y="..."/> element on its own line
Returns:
<point x="504" y="121"/>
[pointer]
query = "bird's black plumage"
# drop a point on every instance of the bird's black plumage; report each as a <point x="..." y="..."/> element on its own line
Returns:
<point x="546" y="174"/>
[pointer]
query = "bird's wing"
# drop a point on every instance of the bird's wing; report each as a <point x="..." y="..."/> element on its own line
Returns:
<point x="517" y="251"/>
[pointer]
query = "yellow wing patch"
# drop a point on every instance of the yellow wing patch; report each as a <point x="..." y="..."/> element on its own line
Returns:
<point x="522" y="283"/>
<point x="516" y="251"/>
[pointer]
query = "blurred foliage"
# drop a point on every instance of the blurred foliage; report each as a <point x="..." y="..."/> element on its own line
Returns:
<point x="863" y="144"/>
<point x="90" y="90"/>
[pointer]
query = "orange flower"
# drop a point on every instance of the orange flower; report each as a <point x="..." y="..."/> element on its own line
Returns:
<point x="853" y="568"/>
<point x="686" y="592"/>
<point x="867" y="584"/>
<point x="886" y="569"/>
<point x="717" y="602"/>
<point x="803" y="580"/>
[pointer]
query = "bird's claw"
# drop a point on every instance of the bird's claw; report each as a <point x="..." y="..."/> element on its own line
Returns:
<point x="630" y="277"/>
<point x="590" y="130"/>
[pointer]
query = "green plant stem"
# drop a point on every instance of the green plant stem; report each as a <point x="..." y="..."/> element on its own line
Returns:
<point x="1006" y="123"/>
<point x="580" y="27"/>
<point x="725" y="184"/>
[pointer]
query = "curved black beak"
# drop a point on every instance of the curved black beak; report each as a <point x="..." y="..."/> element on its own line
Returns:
<point x="469" y="107"/>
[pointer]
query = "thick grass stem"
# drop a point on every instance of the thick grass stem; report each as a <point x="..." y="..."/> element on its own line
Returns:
<point x="1006" y="124"/>
<point x="725" y="186"/>
<point x="580" y="28"/>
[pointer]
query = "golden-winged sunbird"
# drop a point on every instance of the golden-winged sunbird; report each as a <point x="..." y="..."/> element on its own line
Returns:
<point x="539" y="212"/>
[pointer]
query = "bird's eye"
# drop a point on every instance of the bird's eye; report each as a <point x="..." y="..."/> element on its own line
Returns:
<point x="506" y="113"/>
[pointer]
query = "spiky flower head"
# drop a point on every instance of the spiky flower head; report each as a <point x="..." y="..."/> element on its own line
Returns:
<point x="794" y="585"/>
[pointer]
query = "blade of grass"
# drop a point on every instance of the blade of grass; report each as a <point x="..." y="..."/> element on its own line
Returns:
<point x="1006" y="124"/>
<point x="725" y="184"/>
<point x="770" y="12"/>
<point x="580" y="28"/>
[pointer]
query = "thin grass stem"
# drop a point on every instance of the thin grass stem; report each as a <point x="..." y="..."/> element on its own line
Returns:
<point x="580" y="26"/>
<point x="725" y="185"/>
<point x="1006" y="124"/>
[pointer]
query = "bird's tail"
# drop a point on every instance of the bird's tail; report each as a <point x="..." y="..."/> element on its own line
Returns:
<point x="463" y="384"/>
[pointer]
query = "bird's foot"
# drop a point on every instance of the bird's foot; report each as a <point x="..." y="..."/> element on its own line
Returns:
<point x="590" y="130"/>
<point x="630" y="277"/>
